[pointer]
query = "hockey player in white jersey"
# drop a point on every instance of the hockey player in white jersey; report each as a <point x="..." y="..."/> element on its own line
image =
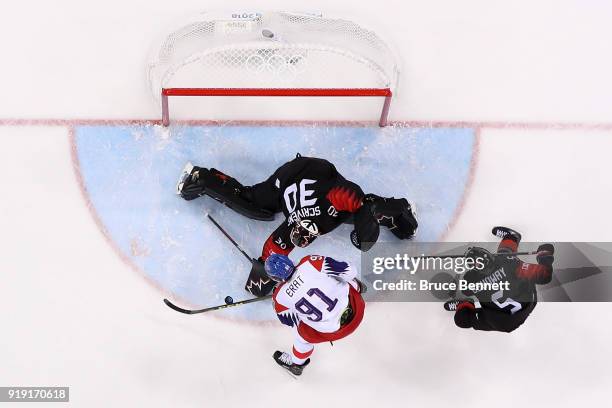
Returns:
<point x="320" y="299"/>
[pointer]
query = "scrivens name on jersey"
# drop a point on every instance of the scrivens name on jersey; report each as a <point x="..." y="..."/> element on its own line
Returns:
<point x="303" y="213"/>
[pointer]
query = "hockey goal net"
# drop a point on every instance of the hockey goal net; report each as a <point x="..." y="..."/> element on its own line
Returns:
<point x="272" y="54"/>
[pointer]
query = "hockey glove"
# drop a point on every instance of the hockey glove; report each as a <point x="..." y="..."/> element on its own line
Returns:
<point x="397" y="214"/>
<point x="545" y="254"/>
<point x="258" y="282"/>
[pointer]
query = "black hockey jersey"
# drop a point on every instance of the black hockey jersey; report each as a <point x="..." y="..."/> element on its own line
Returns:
<point x="506" y="310"/>
<point x="310" y="189"/>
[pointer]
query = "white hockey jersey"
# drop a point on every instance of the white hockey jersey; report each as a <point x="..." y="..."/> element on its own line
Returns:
<point x="316" y="294"/>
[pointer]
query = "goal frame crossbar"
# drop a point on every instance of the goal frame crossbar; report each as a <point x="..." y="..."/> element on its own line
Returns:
<point x="287" y="92"/>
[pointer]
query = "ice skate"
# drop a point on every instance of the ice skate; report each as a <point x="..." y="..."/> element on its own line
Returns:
<point x="284" y="360"/>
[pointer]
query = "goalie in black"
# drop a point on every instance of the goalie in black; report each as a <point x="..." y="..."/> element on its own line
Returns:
<point x="314" y="197"/>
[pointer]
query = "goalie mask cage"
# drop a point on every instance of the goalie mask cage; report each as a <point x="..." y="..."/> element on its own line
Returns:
<point x="272" y="54"/>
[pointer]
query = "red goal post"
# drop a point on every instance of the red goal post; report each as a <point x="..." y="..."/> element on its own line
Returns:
<point x="295" y="92"/>
<point x="274" y="54"/>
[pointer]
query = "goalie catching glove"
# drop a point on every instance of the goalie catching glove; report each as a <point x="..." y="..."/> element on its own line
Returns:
<point x="397" y="214"/>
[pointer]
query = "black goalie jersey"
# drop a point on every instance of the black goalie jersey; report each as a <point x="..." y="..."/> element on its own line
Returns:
<point x="312" y="195"/>
<point x="314" y="198"/>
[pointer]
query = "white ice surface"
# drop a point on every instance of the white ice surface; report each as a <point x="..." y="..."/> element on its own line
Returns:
<point x="73" y="314"/>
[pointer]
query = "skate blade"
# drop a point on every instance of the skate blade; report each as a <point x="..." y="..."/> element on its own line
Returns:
<point x="289" y="373"/>
<point x="184" y="174"/>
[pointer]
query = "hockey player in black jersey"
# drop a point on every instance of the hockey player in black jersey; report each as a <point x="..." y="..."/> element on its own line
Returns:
<point x="315" y="199"/>
<point x="502" y="310"/>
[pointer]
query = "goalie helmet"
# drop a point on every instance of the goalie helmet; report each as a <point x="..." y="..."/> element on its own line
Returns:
<point x="303" y="233"/>
<point x="279" y="267"/>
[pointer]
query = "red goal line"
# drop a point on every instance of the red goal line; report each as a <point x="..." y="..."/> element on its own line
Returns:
<point x="317" y="92"/>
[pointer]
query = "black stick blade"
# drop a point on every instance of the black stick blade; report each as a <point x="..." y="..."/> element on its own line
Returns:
<point x="178" y="309"/>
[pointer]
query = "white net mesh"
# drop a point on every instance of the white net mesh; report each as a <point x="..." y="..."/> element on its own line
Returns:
<point x="272" y="50"/>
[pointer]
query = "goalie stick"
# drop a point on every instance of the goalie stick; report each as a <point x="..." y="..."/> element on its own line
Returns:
<point x="230" y="238"/>
<point x="226" y="305"/>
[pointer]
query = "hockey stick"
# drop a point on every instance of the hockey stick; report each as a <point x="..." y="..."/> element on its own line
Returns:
<point x="463" y="256"/>
<point x="226" y="305"/>
<point x="229" y="237"/>
<point x="210" y="309"/>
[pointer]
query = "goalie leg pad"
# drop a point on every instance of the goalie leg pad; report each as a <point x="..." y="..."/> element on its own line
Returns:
<point x="223" y="188"/>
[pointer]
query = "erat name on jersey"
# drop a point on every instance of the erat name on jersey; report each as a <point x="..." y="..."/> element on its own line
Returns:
<point x="293" y="286"/>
